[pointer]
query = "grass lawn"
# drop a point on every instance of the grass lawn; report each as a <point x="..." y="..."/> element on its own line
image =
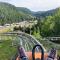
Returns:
<point x="6" y="50"/>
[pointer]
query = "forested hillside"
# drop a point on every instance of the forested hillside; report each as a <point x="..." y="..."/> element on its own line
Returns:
<point x="9" y="14"/>
<point x="24" y="10"/>
<point x="43" y="14"/>
<point x="50" y="25"/>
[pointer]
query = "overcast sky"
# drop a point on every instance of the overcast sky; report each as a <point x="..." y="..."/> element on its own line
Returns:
<point x="35" y="5"/>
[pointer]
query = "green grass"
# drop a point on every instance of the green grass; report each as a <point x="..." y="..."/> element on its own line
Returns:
<point x="6" y="50"/>
<point x="46" y="44"/>
<point x="49" y="45"/>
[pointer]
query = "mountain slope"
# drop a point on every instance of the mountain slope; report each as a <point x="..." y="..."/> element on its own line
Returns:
<point x="51" y="25"/>
<point x="38" y="14"/>
<point x="24" y="10"/>
<point x="9" y="14"/>
<point x="42" y="14"/>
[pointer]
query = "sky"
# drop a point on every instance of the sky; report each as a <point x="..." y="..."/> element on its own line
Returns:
<point x="35" y="5"/>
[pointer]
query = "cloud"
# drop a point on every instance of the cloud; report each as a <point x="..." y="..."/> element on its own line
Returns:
<point x="38" y="4"/>
<point x="4" y="0"/>
<point x="35" y="5"/>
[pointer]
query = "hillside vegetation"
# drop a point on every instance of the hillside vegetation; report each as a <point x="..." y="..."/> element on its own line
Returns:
<point x="43" y="14"/>
<point x="51" y="25"/>
<point x="48" y="21"/>
<point x="10" y="14"/>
